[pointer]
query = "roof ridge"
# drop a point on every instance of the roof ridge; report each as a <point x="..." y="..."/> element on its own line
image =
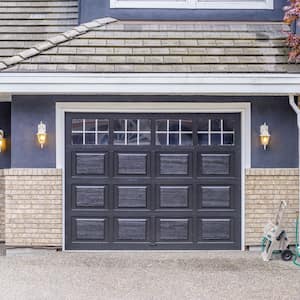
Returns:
<point x="54" y="41"/>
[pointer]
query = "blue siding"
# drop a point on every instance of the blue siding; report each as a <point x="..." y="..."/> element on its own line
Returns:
<point x="93" y="9"/>
<point x="5" y="126"/>
<point x="284" y="134"/>
<point x="24" y="121"/>
<point x="28" y="111"/>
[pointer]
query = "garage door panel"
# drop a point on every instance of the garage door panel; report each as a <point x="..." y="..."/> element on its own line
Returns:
<point x="216" y="229"/>
<point x="89" y="229"/>
<point x="134" y="230"/>
<point x="215" y="164"/>
<point x="89" y="196"/>
<point x="90" y="163"/>
<point x="132" y="164"/>
<point x="174" y="229"/>
<point x="132" y="196"/>
<point x="215" y="196"/>
<point x="155" y="181"/>
<point x="171" y="164"/>
<point x="174" y="196"/>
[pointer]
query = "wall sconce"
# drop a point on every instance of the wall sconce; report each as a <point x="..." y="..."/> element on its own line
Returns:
<point x="264" y="135"/>
<point x="2" y="141"/>
<point x="42" y="134"/>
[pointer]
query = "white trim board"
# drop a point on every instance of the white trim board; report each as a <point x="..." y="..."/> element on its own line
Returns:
<point x="4" y="97"/>
<point x="150" y="83"/>
<point x="120" y="107"/>
<point x="193" y="4"/>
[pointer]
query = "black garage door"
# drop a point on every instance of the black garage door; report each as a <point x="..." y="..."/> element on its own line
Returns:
<point x="152" y="181"/>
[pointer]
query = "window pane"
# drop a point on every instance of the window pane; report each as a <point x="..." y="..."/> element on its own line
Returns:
<point x="77" y="125"/>
<point x="132" y="139"/>
<point x="102" y="125"/>
<point x="215" y="125"/>
<point x="90" y="125"/>
<point x="119" y="138"/>
<point x="132" y="125"/>
<point x="102" y="138"/>
<point x="119" y="125"/>
<point x="203" y="139"/>
<point x="203" y="125"/>
<point x="145" y="125"/>
<point x="90" y="139"/>
<point x="216" y="139"/>
<point x="145" y="138"/>
<point x="174" y="139"/>
<point x="228" y="125"/>
<point x="161" y="125"/>
<point x="161" y="139"/>
<point x="174" y="125"/>
<point x="187" y="139"/>
<point x="77" y="138"/>
<point x="228" y="139"/>
<point x="186" y="125"/>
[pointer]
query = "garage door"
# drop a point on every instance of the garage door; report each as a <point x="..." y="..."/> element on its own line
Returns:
<point x="152" y="181"/>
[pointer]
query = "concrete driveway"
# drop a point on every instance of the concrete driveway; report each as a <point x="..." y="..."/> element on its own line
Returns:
<point x="146" y="275"/>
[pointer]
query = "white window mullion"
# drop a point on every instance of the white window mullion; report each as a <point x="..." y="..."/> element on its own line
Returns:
<point x="179" y="132"/>
<point x="222" y="136"/>
<point x="125" y="132"/>
<point x="83" y="126"/>
<point x="138" y="132"/>
<point x="209" y="132"/>
<point x="168" y="132"/>
<point x="96" y="132"/>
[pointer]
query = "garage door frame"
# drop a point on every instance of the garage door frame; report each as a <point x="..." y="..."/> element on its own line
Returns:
<point x="244" y="108"/>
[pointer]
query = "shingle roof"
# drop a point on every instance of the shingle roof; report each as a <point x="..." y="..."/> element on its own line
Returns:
<point x="165" y="47"/>
<point x="25" y="23"/>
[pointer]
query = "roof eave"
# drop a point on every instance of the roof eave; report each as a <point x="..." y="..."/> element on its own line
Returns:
<point x="151" y="83"/>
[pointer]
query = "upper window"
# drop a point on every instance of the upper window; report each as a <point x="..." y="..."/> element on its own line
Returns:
<point x="193" y="4"/>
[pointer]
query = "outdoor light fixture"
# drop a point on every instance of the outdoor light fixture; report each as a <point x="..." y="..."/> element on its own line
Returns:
<point x="42" y="134"/>
<point x="264" y="135"/>
<point x="2" y="141"/>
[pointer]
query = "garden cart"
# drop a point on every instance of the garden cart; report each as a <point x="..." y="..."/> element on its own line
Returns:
<point x="275" y="239"/>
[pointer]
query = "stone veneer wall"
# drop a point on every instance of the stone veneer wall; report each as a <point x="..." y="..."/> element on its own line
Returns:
<point x="33" y="204"/>
<point x="264" y="190"/>
<point x="2" y="205"/>
<point x="33" y="207"/>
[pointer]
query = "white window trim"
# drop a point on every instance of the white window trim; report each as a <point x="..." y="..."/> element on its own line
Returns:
<point x="194" y="4"/>
<point x="244" y="108"/>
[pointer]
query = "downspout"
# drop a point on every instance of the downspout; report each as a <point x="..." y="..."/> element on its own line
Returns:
<point x="297" y="111"/>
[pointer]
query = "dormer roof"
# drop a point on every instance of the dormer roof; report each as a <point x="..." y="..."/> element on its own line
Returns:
<point x="26" y="23"/>
<point x="110" y="46"/>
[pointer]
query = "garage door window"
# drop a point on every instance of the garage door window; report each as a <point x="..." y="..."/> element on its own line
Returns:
<point x="174" y="132"/>
<point x="132" y="132"/>
<point x="215" y="132"/>
<point x="168" y="132"/>
<point x="90" y="132"/>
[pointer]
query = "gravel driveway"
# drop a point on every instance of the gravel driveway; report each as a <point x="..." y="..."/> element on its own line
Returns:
<point x="146" y="275"/>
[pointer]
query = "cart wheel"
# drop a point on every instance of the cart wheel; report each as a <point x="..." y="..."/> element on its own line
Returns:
<point x="286" y="255"/>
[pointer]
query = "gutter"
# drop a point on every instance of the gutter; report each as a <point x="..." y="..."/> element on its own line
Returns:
<point x="150" y="83"/>
<point x="297" y="111"/>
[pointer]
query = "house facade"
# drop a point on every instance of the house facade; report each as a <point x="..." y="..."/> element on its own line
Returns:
<point x="140" y="124"/>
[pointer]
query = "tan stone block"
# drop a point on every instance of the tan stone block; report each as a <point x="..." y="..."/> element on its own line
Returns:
<point x="33" y="210"/>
